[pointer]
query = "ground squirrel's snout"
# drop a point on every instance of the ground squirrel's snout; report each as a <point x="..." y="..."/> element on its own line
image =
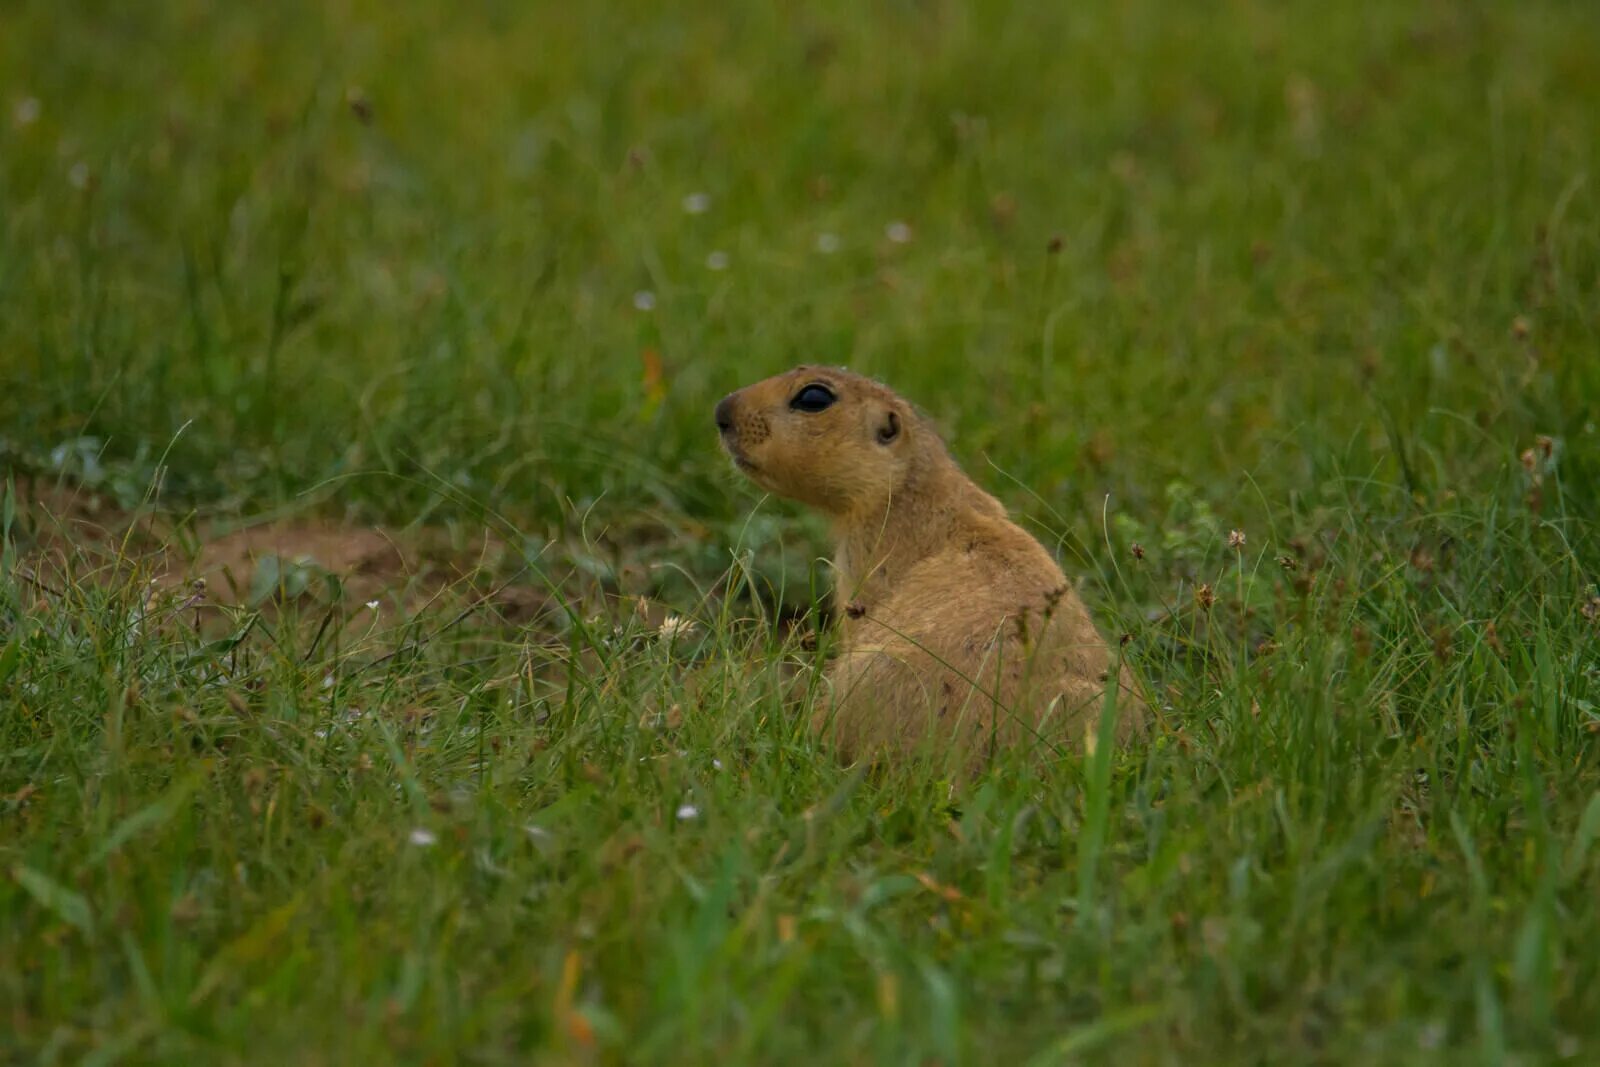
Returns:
<point x="730" y="434"/>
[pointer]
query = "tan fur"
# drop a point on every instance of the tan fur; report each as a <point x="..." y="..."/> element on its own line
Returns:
<point x="957" y="627"/>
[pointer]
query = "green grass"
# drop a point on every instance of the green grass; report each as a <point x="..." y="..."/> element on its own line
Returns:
<point x="1319" y="272"/>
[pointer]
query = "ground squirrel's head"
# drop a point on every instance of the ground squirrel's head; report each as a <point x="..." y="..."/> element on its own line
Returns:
<point x="823" y="436"/>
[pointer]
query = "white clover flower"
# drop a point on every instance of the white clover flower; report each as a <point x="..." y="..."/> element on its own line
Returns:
<point x="697" y="203"/>
<point x="687" y="812"/>
<point x="644" y="300"/>
<point x="423" y="838"/>
<point x="827" y="243"/>
<point x="717" y="261"/>
<point x="898" y="232"/>
<point x="26" y="113"/>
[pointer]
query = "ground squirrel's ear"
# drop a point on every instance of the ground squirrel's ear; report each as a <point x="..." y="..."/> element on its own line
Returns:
<point x="889" y="429"/>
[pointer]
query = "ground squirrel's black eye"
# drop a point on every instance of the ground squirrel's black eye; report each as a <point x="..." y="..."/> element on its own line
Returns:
<point x="813" y="398"/>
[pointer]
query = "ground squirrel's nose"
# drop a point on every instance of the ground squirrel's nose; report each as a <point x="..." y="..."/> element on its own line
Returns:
<point x="725" y="414"/>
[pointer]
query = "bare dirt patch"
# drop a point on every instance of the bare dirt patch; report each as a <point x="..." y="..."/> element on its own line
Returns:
<point x="67" y="533"/>
<point x="364" y="561"/>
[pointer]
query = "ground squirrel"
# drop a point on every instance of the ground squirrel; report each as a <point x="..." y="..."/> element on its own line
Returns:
<point x="957" y="626"/>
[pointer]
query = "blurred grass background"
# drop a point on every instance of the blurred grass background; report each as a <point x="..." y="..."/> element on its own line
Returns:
<point x="1325" y="273"/>
<point x="345" y="238"/>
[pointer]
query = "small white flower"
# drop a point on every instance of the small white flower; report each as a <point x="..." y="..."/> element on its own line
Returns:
<point x="827" y="243"/>
<point x="644" y="300"/>
<point x="26" y="113"/>
<point x="898" y="232"/>
<point x="372" y="605"/>
<point x="697" y="203"/>
<point x="423" y="838"/>
<point x="717" y="261"/>
<point x="78" y="176"/>
<point x="676" y="626"/>
<point x="716" y="763"/>
<point x="687" y="812"/>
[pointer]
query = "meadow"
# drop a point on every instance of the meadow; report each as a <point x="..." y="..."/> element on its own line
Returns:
<point x="1278" y="322"/>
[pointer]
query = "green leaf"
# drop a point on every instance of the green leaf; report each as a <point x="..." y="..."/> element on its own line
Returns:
<point x="261" y="939"/>
<point x="264" y="581"/>
<point x="1097" y="1033"/>
<point x="1588" y="830"/>
<point x="10" y="656"/>
<point x="69" y="906"/>
<point x="146" y="818"/>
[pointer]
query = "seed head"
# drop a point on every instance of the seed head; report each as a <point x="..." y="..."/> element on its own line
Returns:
<point x="1443" y="644"/>
<point x="676" y="626"/>
<point x="1491" y="637"/>
<point x="360" y="105"/>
